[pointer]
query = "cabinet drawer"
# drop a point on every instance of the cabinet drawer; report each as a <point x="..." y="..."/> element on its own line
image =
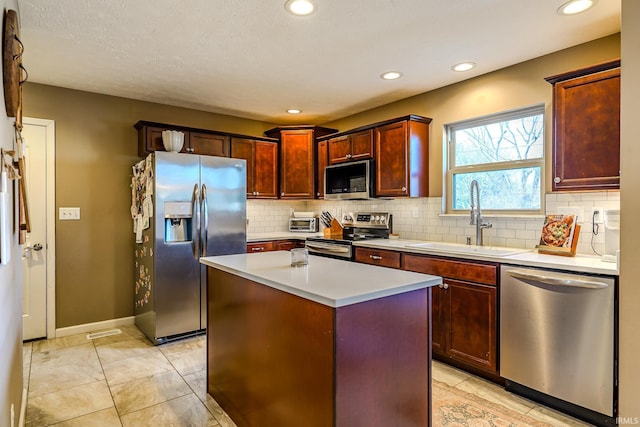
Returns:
<point x="461" y="270"/>
<point x="378" y="257"/>
<point x="261" y="247"/>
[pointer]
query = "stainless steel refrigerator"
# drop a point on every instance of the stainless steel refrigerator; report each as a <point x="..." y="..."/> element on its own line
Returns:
<point x="188" y="206"/>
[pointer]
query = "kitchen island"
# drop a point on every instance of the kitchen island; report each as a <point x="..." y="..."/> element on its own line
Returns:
<point x="334" y="343"/>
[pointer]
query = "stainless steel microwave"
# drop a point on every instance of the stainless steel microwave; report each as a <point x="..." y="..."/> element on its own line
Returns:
<point x="348" y="181"/>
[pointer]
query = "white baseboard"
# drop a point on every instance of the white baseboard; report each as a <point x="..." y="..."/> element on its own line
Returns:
<point x="95" y="326"/>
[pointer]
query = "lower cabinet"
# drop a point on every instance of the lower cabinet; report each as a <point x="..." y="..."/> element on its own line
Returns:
<point x="465" y="319"/>
<point x="274" y="245"/>
<point x="378" y="257"/>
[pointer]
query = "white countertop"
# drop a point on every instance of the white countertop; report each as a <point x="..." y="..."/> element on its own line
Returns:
<point x="328" y="281"/>
<point x="579" y="263"/>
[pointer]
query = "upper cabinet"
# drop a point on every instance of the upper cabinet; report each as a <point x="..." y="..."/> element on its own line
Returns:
<point x="402" y="157"/>
<point x="262" y="166"/>
<point x="196" y="141"/>
<point x="350" y="147"/>
<point x="586" y="128"/>
<point x="298" y="159"/>
<point x="323" y="155"/>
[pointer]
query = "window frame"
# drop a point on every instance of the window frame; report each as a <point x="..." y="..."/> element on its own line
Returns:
<point x="449" y="159"/>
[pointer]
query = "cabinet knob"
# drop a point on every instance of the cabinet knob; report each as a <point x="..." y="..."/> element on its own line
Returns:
<point x="445" y="286"/>
<point x="557" y="180"/>
<point x="404" y="189"/>
<point x="257" y="193"/>
<point x="282" y="194"/>
<point x="349" y="156"/>
<point x="376" y="257"/>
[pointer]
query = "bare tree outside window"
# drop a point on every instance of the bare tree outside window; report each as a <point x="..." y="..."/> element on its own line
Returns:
<point x="505" y="154"/>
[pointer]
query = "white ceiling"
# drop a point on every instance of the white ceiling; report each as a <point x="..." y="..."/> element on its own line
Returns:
<point x="250" y="58"/>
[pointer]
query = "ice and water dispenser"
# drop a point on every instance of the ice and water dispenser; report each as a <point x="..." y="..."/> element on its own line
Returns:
<point x="177" y="222"/>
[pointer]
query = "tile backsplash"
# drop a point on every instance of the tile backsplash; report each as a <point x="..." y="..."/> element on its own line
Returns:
<point x="421" y="218"/>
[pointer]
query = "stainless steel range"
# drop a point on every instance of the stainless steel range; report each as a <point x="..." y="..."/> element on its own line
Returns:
<point x="357" y="226"/>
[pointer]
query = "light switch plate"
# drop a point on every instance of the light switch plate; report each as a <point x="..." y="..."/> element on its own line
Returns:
<point x="67" y="214"/>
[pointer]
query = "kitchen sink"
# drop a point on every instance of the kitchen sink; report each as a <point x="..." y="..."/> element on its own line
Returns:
<point x="457" y="248"/>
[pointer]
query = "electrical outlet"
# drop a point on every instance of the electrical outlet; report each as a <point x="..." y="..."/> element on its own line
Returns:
<point x="597" y="215"/>
<point x="69" y="214"/>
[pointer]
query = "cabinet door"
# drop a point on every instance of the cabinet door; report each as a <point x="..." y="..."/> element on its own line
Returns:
<point x="242" y="148"/>
<point x="266" y="170"/>
<point x="261" y="247"/>
<point x="472" y="323"/>
<point x="362" y="145"/>
<point x="339" y="149"/>
<point x="391" y="160"/>
<point x="586" y="153"/>
<point x="150" y="140"/>
<point x="209" y="144"/>
<point x="378" y="257"/>
<point x="439" y="325"/>
<point x="297" y="164"/>
<point x="322" y="163"/>
<point x="287" y="245"/>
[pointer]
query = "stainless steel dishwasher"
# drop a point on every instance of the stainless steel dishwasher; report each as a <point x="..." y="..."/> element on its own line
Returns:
<point x="557" y="340"/>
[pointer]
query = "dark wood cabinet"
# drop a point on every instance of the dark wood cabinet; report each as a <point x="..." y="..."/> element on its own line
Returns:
<point x="379" y="257"/>
<point x="196" y="141"/>
<point x="586" y="128"/>
<point x="262" y="166"/>
<point x="402" y="157"/>
<point x="351" y="147"/>
<point x="323" y="155"/>
<point x="287" y="245"/>
<point x="274" y="245"/>
<point x="298" y="159"/>
<point x="208" y="144"/>
<point x="261" y="246"/>
<point x="465" y="320"/>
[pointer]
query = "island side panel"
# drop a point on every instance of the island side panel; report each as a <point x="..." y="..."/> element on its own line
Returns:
<point x="269" y="354"/>
<point x="383" y="362"/>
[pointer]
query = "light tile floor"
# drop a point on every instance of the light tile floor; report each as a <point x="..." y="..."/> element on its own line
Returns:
<point x="124" y="380"/>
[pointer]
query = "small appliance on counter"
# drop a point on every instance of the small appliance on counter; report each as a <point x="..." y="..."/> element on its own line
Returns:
<point x="356" y="226"/>
<point x="305" y="225"/>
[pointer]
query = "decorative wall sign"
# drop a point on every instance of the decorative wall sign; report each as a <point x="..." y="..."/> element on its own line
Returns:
<point x="12" y="49"/>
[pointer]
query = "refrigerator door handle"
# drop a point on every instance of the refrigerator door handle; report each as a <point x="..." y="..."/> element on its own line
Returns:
<point x="205" y="219"/>
<point x="195" y="209"/>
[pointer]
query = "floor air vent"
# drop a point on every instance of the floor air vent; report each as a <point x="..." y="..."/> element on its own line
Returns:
<point x="103" y="334"/>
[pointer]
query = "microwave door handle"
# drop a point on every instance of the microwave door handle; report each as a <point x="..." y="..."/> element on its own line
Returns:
<point x="204" y="206"/>
<point x="195" y="211"/>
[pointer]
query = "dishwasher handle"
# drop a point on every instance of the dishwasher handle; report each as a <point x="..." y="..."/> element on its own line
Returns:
<point x="556" y="280"/>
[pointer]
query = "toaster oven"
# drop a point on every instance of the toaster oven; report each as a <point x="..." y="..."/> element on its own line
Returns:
<point x="308" y="225"/>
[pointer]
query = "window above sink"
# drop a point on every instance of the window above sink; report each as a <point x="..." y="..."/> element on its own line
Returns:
<point x="504" y="152"/>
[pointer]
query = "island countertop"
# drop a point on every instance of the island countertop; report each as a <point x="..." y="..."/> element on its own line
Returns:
<point x="332" y="282"/>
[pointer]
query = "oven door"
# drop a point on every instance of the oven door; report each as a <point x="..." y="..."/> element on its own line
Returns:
<point x="340" y="250"/>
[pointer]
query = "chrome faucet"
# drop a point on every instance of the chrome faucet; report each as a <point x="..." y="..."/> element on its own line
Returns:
<point x="476" y="213"/>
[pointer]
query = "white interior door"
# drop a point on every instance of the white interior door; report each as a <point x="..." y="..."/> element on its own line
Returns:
<point x="37" y="257"/>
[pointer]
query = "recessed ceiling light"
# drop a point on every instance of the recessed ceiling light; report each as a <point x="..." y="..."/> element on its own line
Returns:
<point x="300" y="7"/>
<point x="573" y="7"/>
<point x="294" y="111"/>
<point x="391" y="75"/>
<point x="464" y="66"/>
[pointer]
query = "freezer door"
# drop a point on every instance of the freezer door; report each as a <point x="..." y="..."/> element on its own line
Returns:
<point x="176" y="271"/>
<point x="224" y="212"/>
